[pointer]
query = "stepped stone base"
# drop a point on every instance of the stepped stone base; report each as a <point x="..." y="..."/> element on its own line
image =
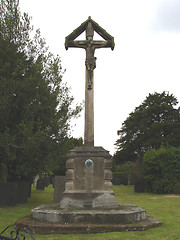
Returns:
<point x="125" y="214"/>
<point x="48" y="221"/>
<point x="88" y="203"/>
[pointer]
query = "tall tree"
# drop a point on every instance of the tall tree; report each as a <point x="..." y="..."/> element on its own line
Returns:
<point x="155" y="123"/>
<point x="35" y="104"/>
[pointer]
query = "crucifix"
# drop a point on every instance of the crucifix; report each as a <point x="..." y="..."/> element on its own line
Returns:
<point x="88" y="168"/>
<point x="90" y="45"/>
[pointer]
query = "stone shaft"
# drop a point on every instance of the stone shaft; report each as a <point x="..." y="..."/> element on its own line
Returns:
<point x="89" y="114"/>
<point x="89" y="45"/>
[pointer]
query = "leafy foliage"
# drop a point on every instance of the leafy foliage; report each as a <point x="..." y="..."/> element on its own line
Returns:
<point x="58" y="164"/>
<point x="35" y="104"/>
<point x="162" y="170"/>
<point x="155" y="123"/>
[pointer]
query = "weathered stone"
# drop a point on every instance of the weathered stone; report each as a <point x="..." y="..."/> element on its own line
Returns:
<point x="46" y="180"/>
<point x="88" y="185"/>
<point x="70" y="163"/>
<point x="107" y="174"/>
<point x="85" y="184"/>
<point x="23" y="191"/>
<point x="59" y="187"/>
<point x="40" y="184"/>
<point x="12" y="193"/>
<point x="107" y="164"/>
<point x="89" y="45"/>
<point x="46" y="228"/>
<point x="107" y="185"/>
<point x="8" y="193"/>
<point x="69" y="186"/>
<point x="125" y="214"/>
<point x="69" y="174"/>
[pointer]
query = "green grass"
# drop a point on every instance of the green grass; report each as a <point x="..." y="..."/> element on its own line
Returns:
<point x="165" y="208"/>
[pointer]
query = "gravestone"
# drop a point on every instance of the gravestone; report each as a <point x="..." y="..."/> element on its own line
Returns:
<point x="8" y="193"/>
<point x="88" y="176"/>
<point x="40" y="184"/>
<point x="47" y="180"/>
<point x="35" y="180"/>
<point x="59" y="187"/>
<point x="12" y="193"/>
<point x="23" y="191"/>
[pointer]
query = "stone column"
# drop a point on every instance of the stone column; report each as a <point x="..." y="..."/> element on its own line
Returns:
<point x="89" y="113"/>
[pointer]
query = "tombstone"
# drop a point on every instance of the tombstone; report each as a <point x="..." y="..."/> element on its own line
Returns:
<point x="35" y="180"/>
<point x="139" y="186"/>
<point x="40" y="184"/>
<point x="8" y="193"/>
<point x="59" y="187"/>
<point x="46" y="180"/>
<point x="116" y="181"/>
<point x="23" y="191"/>
<point x="12" y="193"/>
<point x="88" y="176"/>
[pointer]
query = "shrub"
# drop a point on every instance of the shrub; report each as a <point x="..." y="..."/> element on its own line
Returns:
<point x="162" y="170"/>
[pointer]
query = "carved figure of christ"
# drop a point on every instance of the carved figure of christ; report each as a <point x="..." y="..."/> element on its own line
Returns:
<point x="89" y="45"/>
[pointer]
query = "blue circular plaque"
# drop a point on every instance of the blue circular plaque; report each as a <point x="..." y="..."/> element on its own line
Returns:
<point x="89" y="163"/>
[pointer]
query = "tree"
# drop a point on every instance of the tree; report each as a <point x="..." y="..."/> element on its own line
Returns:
<point x="35" y="104"/>
<point x="58" y="164"/>
<point x="162" y="170"/>
<point x="155" y="123"/>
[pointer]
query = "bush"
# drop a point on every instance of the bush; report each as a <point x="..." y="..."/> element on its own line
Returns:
<point x="162" y="170"/>
<point x="177" y="188"/>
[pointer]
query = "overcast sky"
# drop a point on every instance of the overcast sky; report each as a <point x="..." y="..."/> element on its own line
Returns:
<point x="146" y="57"/>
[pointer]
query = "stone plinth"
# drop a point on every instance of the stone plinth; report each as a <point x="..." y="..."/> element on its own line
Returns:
<point x="49" y="219"/>
<point x="88" y="179"/>
<point x="88" y="204"/>
<point x="126" y="213"/>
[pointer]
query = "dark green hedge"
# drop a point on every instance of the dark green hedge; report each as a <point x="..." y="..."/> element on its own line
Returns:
<point x="162" y="170"/>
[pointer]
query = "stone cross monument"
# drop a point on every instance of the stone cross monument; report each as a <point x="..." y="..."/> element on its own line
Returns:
<point x="88" y="203"/>
<point x="88" y="175"/>
<point x="89" y="45"/>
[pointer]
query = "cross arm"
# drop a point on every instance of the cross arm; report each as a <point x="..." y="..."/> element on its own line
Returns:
<point x="76" y="44"/>
<point x="101" y="44"/>
<point x="84" y="44"/>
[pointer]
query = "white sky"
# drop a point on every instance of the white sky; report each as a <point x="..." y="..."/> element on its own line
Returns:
<point x="146" y="58"/>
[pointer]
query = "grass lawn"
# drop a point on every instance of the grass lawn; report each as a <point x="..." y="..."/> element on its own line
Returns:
<point x="165" y="208"/>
